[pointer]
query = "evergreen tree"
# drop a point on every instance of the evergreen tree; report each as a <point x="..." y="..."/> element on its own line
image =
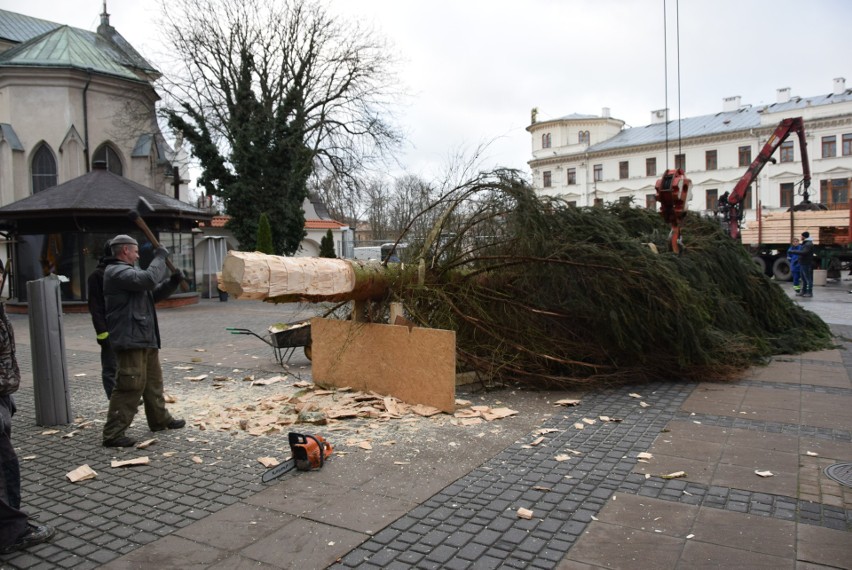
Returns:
<point x="264" y="236"/>
<point x="327" y="246"/>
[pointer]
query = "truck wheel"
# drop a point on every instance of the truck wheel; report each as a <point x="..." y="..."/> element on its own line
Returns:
<point x="781" y="270"/>
<point x="760" y="263"/>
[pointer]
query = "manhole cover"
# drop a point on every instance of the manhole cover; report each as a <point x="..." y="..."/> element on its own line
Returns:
<point x="840" y="472"/>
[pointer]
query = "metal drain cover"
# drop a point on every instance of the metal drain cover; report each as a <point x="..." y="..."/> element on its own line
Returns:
<point x="840" y="472"/>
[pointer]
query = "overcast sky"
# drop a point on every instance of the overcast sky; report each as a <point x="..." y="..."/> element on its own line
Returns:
<point x="475" y="68"/>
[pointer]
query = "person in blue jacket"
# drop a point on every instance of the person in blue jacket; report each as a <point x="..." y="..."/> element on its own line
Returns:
<point x="795" y="266"/>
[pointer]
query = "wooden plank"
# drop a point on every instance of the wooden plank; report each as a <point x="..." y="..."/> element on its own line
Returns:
<point x="416" y="365"/>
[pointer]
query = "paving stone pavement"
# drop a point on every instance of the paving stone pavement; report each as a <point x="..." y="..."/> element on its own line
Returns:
<point x="453" y="501"/>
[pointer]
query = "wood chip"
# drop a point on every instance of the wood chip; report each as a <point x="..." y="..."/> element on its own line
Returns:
<point x="425" y="411"/>
<point x="169" y="399"/>
<point x="645" y="455"/>
<point x="268" y="381"/>
<point x="580" y="425"/>
<point x="545" y="431"/>
<point x="69" y="435"/>
<point x="130" y="462"/>
<point x="562" y="457"/>
<point x="589" y="421"/>
<point x="200" y="350"/>
<point x="82" y="473"/>
<point x="402" y="462"/>
<point x="675" y="475"/>
<point x="609" y="419"/>
<point x="540" y="488"/>
<point x="497" y="413"/>
<point x="79" y="375"/>
<point x="147" y="443"/>
<point x="268" y="461"/>
<point x="462" y="403"/>
<point x="536" y="441"/>
<point x="567" y="402"/>
<point x="764" y="473"/>
<point x="525" y="514"/>
<point x="470" y="421"/>
<point x="196" y="459"/>
<point x="365" y="445"/>
<point x="169" y="453"/>
<point x="635" y="395"/>
<point x="183" y="367"/>
<point x="644" y="404"/>
<point x="28" y="457"/>
<point x="812" y="454"/>
<point x="198" y="378"/>
<point x="50" y="432"/>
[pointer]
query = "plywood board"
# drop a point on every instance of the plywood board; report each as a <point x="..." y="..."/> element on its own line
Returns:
<point x="416" y="365"/>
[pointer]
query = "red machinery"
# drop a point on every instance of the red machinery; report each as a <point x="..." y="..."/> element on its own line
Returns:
<point x="730" y="207"/>
<point x="673" y="196"/>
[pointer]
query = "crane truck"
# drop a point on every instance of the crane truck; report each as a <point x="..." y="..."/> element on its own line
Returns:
<point x="769" y="236"/>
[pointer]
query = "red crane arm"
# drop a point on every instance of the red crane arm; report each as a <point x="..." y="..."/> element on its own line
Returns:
<point x="781" y="133"/>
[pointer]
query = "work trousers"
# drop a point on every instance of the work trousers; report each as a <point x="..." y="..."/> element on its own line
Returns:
<point x="139" y="375"/>
<point x="807" y="279"/>
<point x="109" y="366"/>
<point x="13" y="521"/>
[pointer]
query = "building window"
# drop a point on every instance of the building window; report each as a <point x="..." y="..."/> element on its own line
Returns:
<point x="650" y="167"/>
<point x="651" y="201"/>
<point x="745" y="155"/>
<point x="712" y="200"/>
<point x="583" y="137"/>
<point x="847" y="144"/>
<point x="787" y="195"/>
<point x="572" y="176"/>
<point x="747" y="199"/>
<point x="624" y="200"/>
<point x="829" y="146"/>
<point x="624" y="169"/>
<point x="598" y="202"/>
<point x="106" y="154"/>
<point x="710" y="160"/>
<point x="545" y="140"/>
<point x="43" y="169"/>
<point x="572" y="203"/>
<point x="680" y="161"/>
<point x="786" y="152"/>
<point x="546" y="176"/>
<point x="834" y="193"/>
<point x="598" y="170"/>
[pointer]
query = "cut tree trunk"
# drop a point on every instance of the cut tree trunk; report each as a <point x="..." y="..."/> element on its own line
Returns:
<point x="277" y="279"/>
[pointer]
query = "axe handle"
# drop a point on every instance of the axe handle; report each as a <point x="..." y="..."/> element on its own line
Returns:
<point x="184" y="286"/>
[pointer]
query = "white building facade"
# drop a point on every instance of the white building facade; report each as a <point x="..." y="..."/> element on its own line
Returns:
<point x="588" y="159"/>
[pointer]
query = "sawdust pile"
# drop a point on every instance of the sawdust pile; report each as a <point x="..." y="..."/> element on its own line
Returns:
<point x="541" y="291"/>
<point x="278" y="404"/>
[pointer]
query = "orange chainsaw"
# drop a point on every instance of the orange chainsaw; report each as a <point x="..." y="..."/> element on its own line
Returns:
<point x="307" y="452"/>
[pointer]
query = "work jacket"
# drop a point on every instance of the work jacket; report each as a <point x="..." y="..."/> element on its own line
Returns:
<point x="130" y="294"/>
<point x="95" y="290"/>
<point x="806" y="254"/>
<point x="10" y="374"/>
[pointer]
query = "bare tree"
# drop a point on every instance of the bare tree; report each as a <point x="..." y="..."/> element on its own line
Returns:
<point x="271" y="91"/>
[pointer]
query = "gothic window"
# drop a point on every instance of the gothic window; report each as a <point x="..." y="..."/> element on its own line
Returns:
<point x="106" y="154"/>
<point x="43" y="169"/>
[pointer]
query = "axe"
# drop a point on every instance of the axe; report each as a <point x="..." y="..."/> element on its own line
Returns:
<point x="144" y="206"/>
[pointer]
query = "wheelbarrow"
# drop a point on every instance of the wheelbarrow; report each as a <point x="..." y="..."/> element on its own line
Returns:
<point x="284" y="339"/>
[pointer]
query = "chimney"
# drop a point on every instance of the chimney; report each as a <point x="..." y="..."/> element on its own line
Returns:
<point x="605" y="111"/>
<point x="839" y="85"/>
<point x="730" y="103"/>
<point x="782" y="95"/>
<point x="659" y="116"/>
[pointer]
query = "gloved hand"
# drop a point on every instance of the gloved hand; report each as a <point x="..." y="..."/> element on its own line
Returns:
<point x="177" y="276"/>
<point x="161" y="252"/>
<point x="103" y="339"/>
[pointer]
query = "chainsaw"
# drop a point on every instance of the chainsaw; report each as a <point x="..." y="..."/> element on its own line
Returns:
<point x="307" y="452"/>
